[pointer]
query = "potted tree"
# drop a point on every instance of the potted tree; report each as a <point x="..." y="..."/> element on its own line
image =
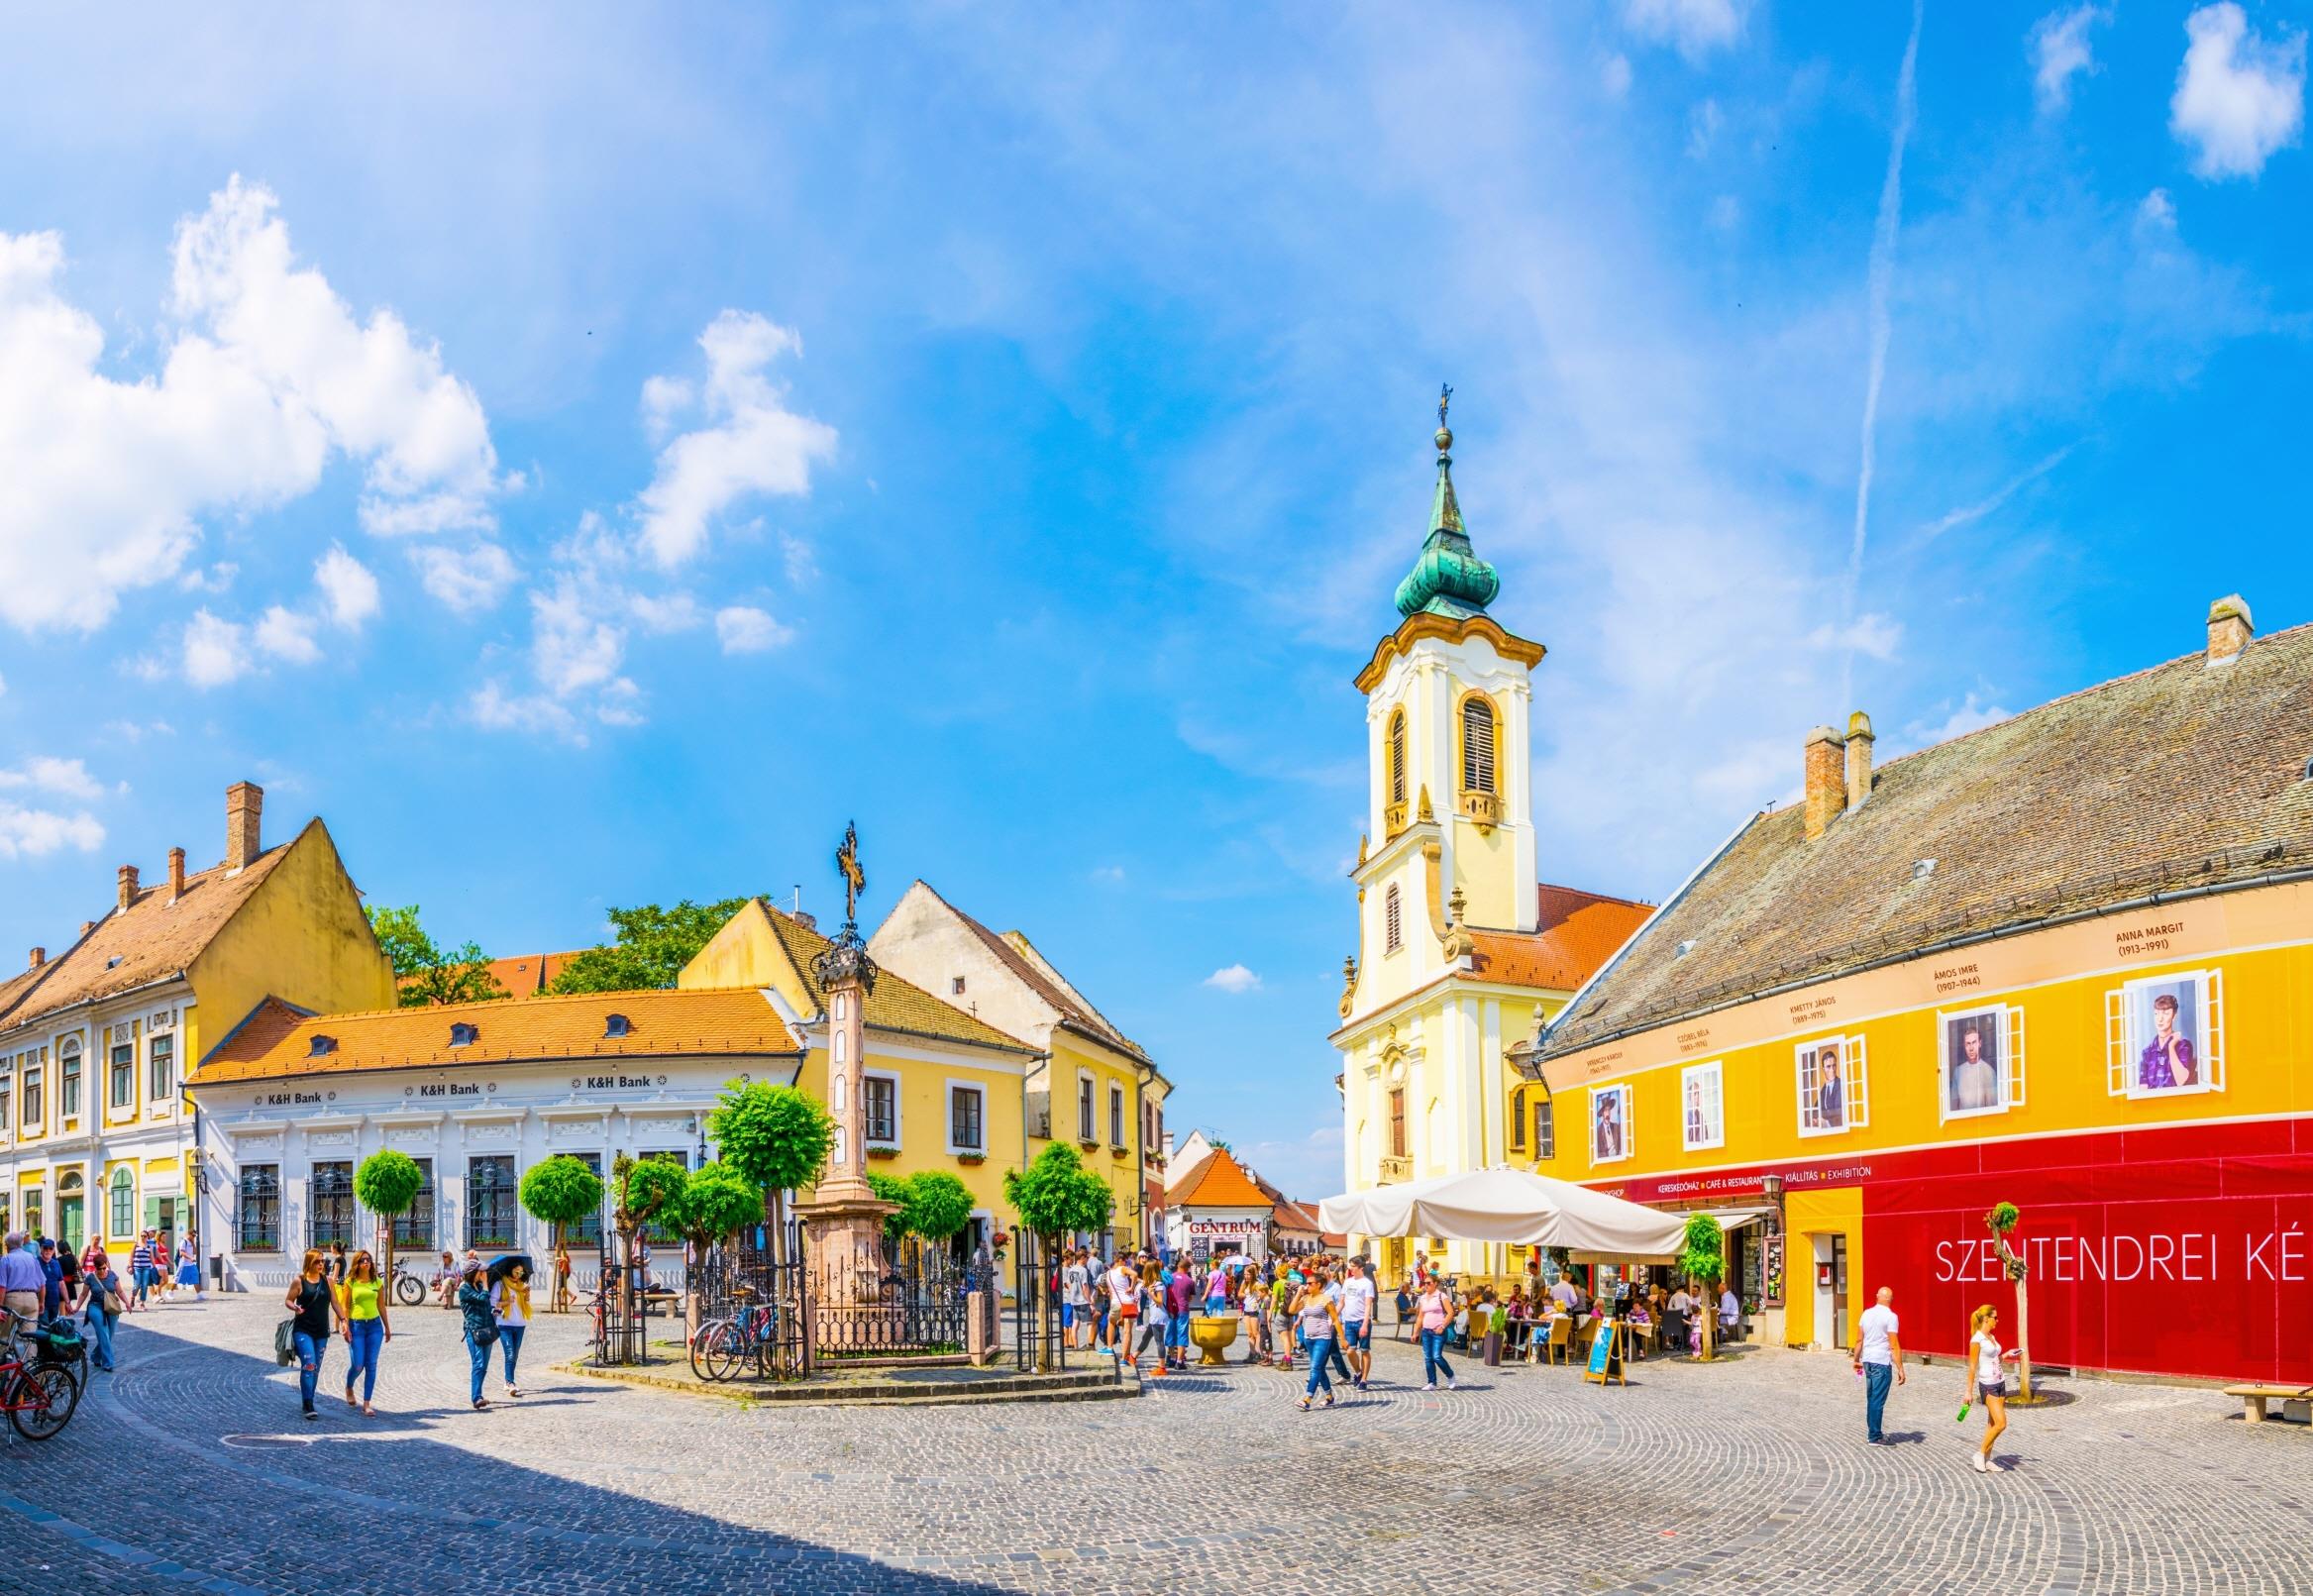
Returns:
<point x="776" y="1137"/>
<point x="387" y="1183"/>
<point x="2002" y="1221"/>
<point x="715" y="1202"/>
<point x="1054" y="1195"/>
<point x="1703" y="1257"/>
<point x="558" y="1192"/>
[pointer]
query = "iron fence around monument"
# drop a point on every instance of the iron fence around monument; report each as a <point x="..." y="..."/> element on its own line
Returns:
<point x="875" y="1303"/>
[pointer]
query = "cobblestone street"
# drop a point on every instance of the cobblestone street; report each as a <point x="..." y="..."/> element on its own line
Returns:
<point x="192" y="1471"/>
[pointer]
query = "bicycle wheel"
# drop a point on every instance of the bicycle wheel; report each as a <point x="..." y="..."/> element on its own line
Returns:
<point x="41" y="1402"/>
<point x="718" y="1350"/>
<point x="408" y="1290"/>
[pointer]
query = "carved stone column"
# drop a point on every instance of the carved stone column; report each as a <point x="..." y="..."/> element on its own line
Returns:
<point x="843" y="1223"/>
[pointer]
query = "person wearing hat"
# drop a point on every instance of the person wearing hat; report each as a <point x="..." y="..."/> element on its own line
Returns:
<point x="52" y="1279"/>
<point x="21" y="1281"/>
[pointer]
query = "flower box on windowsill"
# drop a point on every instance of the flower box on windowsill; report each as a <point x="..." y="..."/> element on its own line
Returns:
<point x="1088" y="1143"/>
<point x="971" y="1159"/>
<point x="1115" y="1151"/>
<point x="874" y="1151"/>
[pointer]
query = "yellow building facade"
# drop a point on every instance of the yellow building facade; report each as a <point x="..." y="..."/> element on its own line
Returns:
<point x="96" y="1045"/>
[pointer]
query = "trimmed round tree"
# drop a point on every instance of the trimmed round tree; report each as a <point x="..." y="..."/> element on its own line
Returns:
<point x="1704" y="1258"/>
<point x="559" y="1192"/>
<point x="1053" y="1195"/>
<point x="387" y="1183"/>
<point x="900" y="1192"/>
<point x="715" y="1202"/>
<point x="779" y="1138"/>
<point x="939" y="1205"/>
<point x="647" y="1189"/>
<point x="2002" y="1221"/>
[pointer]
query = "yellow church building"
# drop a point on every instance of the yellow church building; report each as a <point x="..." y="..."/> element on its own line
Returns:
<point x="1462" y="950"/>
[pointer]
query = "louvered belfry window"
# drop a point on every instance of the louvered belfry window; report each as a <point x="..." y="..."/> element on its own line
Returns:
<point x="1393" y="924"/>
<point x="1477" y="745"/>
<point x="1398" y="757"/>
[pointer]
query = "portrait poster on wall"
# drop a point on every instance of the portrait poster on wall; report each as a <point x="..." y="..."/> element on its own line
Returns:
<point x="2171" y="1022"/>
<point x="1610" y="1123"/>
<point x="1822" y="1083"/>
<point x="1973" y="1055"/>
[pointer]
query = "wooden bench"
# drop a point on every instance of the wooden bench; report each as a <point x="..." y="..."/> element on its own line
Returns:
<point x="2254" y="1397"/>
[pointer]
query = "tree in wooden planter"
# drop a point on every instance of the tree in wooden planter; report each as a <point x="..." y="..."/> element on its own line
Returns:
<point x="1054" y="1195"/>
<point x="2001" y="1222"/>
<point x="715" y="1203"/>
<point x="559" y="1192"/>
<point x="1703" y="1258"/>
<point x="387" y="1183"/>
<point x="777" y="1137"/>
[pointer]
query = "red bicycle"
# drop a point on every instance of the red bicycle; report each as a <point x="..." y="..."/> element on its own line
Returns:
<point x="39" y="1397"/>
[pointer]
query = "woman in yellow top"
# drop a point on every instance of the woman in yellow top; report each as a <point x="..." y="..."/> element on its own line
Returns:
<point x="510" y="1307"/>
<point x="362" y="1305"/>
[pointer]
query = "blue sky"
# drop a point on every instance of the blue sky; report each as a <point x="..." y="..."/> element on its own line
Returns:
<point x="588" y="459"/>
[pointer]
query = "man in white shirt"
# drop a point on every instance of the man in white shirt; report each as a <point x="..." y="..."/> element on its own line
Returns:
<point x="1879" y="1358"/>
<point x="1076" y="1301"/>
<point x="1123" y="1287"/>
<point x="1729" y="1313"/>
<point x="1356" y="1305"/>
<point x="1974" y="1086"/>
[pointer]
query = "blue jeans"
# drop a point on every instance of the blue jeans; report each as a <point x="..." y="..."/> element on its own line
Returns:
<point x="1877" y="1378"/>
<point x="511" y="1337"/>
<point x="1433" y="1361"/>
<point x="100" y="1326"/>
<point x="480" y="1356"/>
<point x="1177" y="1331"/>
<point x="368" y="1335"/>
<point x="1320" y="1347"/>
<point x="309" y="1351"/>
<point x="144" y="1282"/>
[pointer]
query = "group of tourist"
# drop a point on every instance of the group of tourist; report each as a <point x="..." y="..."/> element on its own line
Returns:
<point x="334" y="1295"/>
<point x="41" y="1282"/>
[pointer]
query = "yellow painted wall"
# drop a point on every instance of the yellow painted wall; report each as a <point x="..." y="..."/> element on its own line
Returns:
<point x="2265" y="1015"/>
<point x="1807" y="1214"/>
<point x="923" y="1121"/>
<point x="302" y="937"/>
<point x="1071" y="1056"/>
<point x="1485" y="867"/>
<point x="746" y="952"/>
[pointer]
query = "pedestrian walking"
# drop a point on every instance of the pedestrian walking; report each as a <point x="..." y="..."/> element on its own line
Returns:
<point x="1076" y="1299"/>
<point x="315" y="1304"/>
<point x="1179" y="1295"/>
<point x="337" y="1263"/>
<point x="481" y="1327"/>
<point x="1434" y="1311"/>
<point x="1320" y="1329"/>
<point x="52" y="1279"/>
<point x="1988" y="1384"/>
<point x="510" y="1308"/>
<point x="1879" y="1359"/>
<point x="100" y="1303"/>
<point x="362" y="1305"/>
<point x="188" y="1266"/>
<point x="1155" y="1316"/>
<point x="1123" y="1285"/>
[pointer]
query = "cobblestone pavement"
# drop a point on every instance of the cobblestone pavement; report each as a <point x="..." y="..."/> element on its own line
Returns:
<point x="190" y="1471"/>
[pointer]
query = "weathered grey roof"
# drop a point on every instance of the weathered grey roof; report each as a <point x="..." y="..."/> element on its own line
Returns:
<point x="2184" y="776"/>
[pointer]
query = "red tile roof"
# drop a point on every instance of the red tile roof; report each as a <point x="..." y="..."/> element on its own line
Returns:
<point x="1577" y="932"/>
<point x="1222" y="1182"/>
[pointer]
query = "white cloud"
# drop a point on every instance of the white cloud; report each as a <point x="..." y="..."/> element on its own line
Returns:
<point x="2059" y="51"/>
<point x="751" y="444"/>
<point x="129" y="731"/>
<point x="1878" y="636"/>
<point x="467" y="580"/>
<point x="1233" y="978"/>
<point x="45" y="773"/>
<point x="1614" y="76"/>
<point x="665" y="612"/>
<point x="1696" y="26"/>
<point x="744" y="629"/>
<point x="496" y="708"/>
<point x="571" y="647"/>
<point x="264" y="377"/>
<point x="2237" y="98"/>
<point x="1970" y="715"/>
<point x="215" y="651"/>
<point x="286" y="635"/>
<point x="348" y="591"/>
<point x="31" y="834"/>
<point x="215" y="580"/>
<point x="2156" y="213"/>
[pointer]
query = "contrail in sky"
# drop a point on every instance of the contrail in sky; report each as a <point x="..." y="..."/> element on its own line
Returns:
<point x="1882" y="274"/>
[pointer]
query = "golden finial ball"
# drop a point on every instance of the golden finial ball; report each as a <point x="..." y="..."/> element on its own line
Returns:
<point x="1444" y="439"/>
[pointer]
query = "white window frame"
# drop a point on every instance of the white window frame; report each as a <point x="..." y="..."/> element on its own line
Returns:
<point x="2006" y="1024"/>
<point x="1713" y="1071"/>
<point x="1630" y="1150"/>
<point x="2121" y="1056"/>
<point x="1854" y="1085"/>
<point x="899" y="1128"/>
<point x="949" y="1087"/>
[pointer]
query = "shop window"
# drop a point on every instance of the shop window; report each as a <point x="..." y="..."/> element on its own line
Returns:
<point x="260" y="1208"/>
<point x="2164" y="1035"/>
<point x="880" y="1098"/>
<point x="121" y="1221"/>
<point x="414" y="1227"/>
<point x="330" y="1204"/>
<point x="1833" y="1083"/>
<point x="491" y="1220"/>
<point x="967" y="1130"/>
<point x="161" y="1068"/>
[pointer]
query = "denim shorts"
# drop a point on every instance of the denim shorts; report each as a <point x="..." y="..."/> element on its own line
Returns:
<point x="1356" y="1334"/>
<point x="1985" y="1390"/>
<point x="1066" y="1315"/>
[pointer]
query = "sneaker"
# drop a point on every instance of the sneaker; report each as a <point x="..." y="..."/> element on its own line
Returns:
<point x="1304" y="1403"/>
<point x="1450" y="1386"/>
<point x="311" y="1415"/>
<point x="1995" y="1468"/>
<point x="1431" y="1386"/>
<point x="1976" y="1461"/>
<point x="1328" y="1399"/>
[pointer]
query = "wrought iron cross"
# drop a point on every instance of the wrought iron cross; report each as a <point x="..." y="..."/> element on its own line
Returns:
<point x="855" y="879"/>
<point x="1444" y="397"/>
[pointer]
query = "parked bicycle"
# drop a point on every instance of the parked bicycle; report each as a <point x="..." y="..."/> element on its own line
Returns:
<point x="724" y="1346"/>
<point x="41" y="1397"/>
<point x="408" y="1289"/>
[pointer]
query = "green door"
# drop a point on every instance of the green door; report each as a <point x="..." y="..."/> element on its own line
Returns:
<point x="70" y="1228"/>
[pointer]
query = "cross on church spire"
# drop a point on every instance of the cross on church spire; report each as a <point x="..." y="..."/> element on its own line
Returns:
<point x="1448" y="579"/>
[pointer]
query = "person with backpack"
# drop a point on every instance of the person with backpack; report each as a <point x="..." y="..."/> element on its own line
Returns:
<point x="481" y="1327"/>
<point x="100" y="1303"/>
<point x="314" y="1303"/>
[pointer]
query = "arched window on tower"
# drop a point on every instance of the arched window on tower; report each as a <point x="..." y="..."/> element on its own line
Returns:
<point x="1395" y="817"/>
<point x="1393" y="923"/>
<point x="1477" y="744"/>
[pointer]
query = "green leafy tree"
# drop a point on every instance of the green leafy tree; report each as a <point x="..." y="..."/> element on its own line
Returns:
<point x="939" y="1205"/>
<point x="1054" y="1195"/>
<point x="779" y="1138"/>
<point x="900" y="1192"/>
<point x="651" y="946"/>
<point x="715" y="1202"/>
<point x="387" y="1183"/>
<point x="559" y="1192"/>
<point x="2002" y="1221"/>
<point x="425" y="972"/>
<point x="1703" y="1258"/>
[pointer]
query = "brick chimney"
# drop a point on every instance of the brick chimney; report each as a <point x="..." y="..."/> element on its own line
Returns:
<point x="245" y="803"/>
<point x="87" y="927"/>
<point x="1826" y="781"/>
<point x="128" y="885"/>
<point x="40" y="956"/>
<point x="2230" y="629"/>
<point x="175" y="874"/>
<point x="1858" y="757"/>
